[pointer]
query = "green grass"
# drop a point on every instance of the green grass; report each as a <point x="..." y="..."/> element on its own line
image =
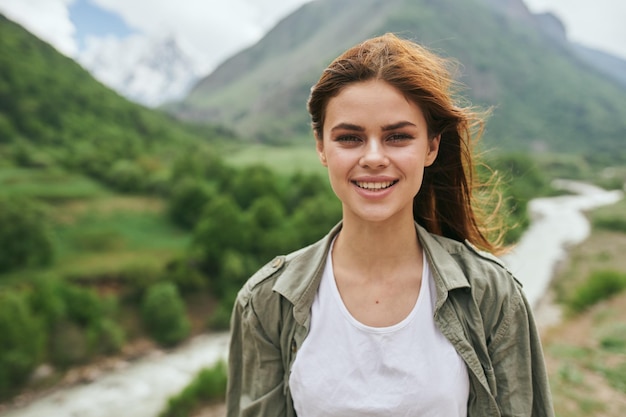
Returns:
<point x="612" y="217"/>
<point x="48" y="184"/>
<point x="600" y="285"/>
<point x="119" y="231"/>
<point x="284" y="160"/>
<point x="208" y="387"/>
<point x="95" y="230"/>
<point x="111" y="235"/>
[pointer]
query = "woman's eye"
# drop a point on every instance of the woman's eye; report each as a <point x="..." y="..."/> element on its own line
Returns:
<point x="348" y="138"/>
<point x="398" y="137"/>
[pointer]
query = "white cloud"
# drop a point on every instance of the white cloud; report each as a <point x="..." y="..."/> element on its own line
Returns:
<point x="47" y="19"/>
<point x="213" y="29"/>
<point x="210" y="29"/>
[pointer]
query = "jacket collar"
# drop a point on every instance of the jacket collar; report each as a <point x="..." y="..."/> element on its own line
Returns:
<point x="303" y="270"/>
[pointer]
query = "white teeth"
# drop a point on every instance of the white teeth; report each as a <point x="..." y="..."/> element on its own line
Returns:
<point x="374" y="185"/>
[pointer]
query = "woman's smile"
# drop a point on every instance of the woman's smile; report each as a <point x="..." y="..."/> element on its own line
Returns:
<point x="374" y="186"/>
<point x="375" y="144"/>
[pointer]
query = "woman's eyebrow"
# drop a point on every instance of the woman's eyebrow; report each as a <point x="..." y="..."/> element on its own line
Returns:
<point x="348" y="126"/>
<point x="397" y="125"/>
<point x="385" y="128"/>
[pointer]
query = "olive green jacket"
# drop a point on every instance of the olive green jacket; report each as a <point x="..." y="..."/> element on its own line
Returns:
<point x="480" y="308"/>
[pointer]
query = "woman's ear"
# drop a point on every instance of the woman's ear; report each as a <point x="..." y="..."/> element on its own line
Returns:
<point x="433" y="150"/>
<point x="319" y="147"/>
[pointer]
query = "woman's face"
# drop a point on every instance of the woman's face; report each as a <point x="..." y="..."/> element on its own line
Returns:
<point x="375" y="145"/>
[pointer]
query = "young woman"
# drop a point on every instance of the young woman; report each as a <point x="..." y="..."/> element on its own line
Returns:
<point x="395" y="312"/>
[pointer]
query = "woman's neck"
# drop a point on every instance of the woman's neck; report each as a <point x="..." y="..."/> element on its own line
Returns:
<point x="376" y="247"/>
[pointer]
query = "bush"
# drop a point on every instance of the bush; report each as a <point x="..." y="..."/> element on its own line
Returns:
<point x="137" y="278"/>
<point x="79" y="322"/>
<point x="599" y="286"/>
<point x="47" y="301"/>
<point x="220" y="317"/>
<point x="68" y="344"/>
<point x="126" y="176"/>
<point x="24" y="236"/>
<point x="22" y="345"/>
<point x="186" y="275"/>
<point x="83" y="305"/>
<point x="207" y="387"/>
<point x="613" y="224"/>
<point x="105" y="337"/>
<point x="222" y="227"/>
<point x="164" y="314"/>
<point x="188" y="200"/>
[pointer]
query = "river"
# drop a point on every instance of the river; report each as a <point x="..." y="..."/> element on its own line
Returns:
<point x="556" y="224"/>
<point x="142" y="389"/>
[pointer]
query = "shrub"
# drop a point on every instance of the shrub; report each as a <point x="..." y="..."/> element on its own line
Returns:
<point x="68" y="344"/>
<point x="105" y="337"/>
<point x="186" y="275"/>
<point x="599" y="286"/>
<point x="46" y="300"/>
<point x="164" y="314"/>
<point x="24" y="236"/>
<point x="614" y="223"/>
<point x="188" y="200"/>
<point x="614" y="340"/>
<point x="207" y="387"/>
<point x="22" y="343"/>
<point x="222" y="227"/>
<point x="126" y="176"/>
<point x="220" y="317"/>
<point x="83" y="305"/>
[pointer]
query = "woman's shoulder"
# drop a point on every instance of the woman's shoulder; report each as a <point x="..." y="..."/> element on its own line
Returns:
<point x="262" y="284"/>
<point x="483" y="270"/>
<point x="496" y="292"/>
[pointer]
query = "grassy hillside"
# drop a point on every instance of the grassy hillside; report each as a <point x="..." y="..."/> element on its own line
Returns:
<point x="121" y="225"/>
<point x="544" y="96"/>
<point x="52" y="112"/>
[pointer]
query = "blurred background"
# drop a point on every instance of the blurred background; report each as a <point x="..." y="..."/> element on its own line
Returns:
<point x="154" y="154"/>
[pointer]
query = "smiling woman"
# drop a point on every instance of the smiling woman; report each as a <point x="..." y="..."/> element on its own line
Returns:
<point x="375" y="145"/>
<point x="395" y="311"/>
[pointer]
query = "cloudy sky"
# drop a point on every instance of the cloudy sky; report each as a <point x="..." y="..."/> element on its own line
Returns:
<point x="216" y="29"/>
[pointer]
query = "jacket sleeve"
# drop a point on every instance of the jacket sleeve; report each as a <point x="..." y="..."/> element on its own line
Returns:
<point x="518" y="363"/>
<point x="255" y="369"/>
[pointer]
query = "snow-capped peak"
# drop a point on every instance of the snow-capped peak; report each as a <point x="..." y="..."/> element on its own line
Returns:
<point x="145" y="69"/>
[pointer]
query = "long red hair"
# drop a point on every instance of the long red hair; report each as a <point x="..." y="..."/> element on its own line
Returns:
<point x="449" y="202"/>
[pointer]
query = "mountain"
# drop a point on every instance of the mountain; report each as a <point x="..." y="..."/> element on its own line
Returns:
<point x="543" y="95"/>
<point x="146" y="70"/>
<point x="54" y="113"/>
<point x="610" y="65"/>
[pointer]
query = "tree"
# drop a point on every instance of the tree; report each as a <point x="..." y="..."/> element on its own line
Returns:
<point x="221" y="228"/>
<point x="21" y="348"/>
<point x="253" y="182"/>
<point x="164" y="314"/>
<point x="24" y="236"/>
<point x="188" y="200"/>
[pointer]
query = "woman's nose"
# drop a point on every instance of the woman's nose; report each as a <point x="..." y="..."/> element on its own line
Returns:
<point x="374" y="155"/>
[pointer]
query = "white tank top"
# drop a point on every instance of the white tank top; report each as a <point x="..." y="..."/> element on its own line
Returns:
<point x="347" y="369"/>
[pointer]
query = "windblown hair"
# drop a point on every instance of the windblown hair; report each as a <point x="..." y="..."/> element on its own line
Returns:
<point x="448" y="201"/>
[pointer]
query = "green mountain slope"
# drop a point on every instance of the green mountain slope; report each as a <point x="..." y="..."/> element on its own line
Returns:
<point x="543" y="95"/>
<point x="53" y="112"/>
